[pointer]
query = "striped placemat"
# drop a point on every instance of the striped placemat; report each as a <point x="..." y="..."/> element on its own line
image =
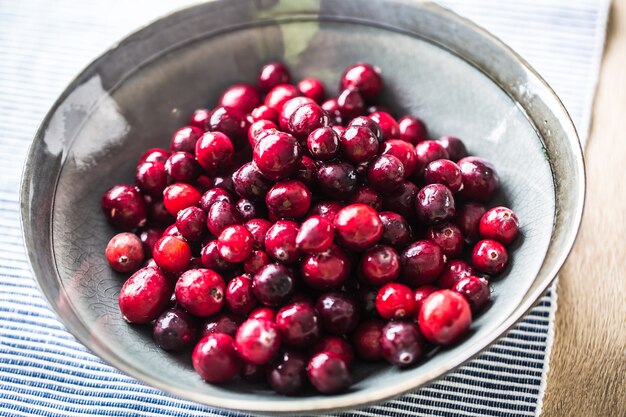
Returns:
<point x="45" y="371"/>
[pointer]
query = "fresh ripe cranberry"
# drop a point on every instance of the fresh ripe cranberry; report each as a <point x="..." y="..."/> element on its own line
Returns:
<point x="489" y="257"/>
<point x="336" y="345"/>
<point x="475" y="290"/>
<point x="185" y="138"/>
<point x="402" y="200"/>
<point x="258" y="228"/>
<point x="395" y="301"/>
<point x="287" y="375"/>
<point x="250" y="210"/>
<point x="449" y="238"/>
<point x="203" y="183"/>
<point x="305" y="119"/>
<point x="434" y="204"/>
<point x="328" y="373"/>
<point x="480" y="179"/>
<point x="243" y="97"/>
<point x="412" y="130"/>
<point x="239" y="296"/>
<point x="182" y="167"/>
<point x="368" y="196"/>
<point x="231" y="122"/>
<point x="453" y="272"/>
<point x="200" y="292"/>
<point x="258" y="341"/>
<point x="154" y="155"/>
<point x="499" y="223"/>
<point x="388" y="125"/>
<point x="124" y="207"/>
<point x="359" y="144"/>
<point x="149" y="236"/>
<point x="358" y="226"/>
<point x="215" y="358"/>
<point x="158" y="213"/>
<point x="172" y="230"/>
<point x="468" y="217"/>
<point x="426" y="152"/>
<point x="316" y="234"/>
<point x="264" y="313"/>
<point x="337" y="179"/>
<point x="224" y="182"/>
<point x="277" y="155"/>
<point x="367" y="122"/>
<point x="200" y="118"/>
<point x="420" y="295"/>
<point x="306" y="172"/>
<point x="289" y="108"/>
<point x="264" y="113"/>
<point x="422" y="262"/>
<point x="191" y="223"/>
<point x="326" y="270"/>
<point x="385" y="173"/>
<point x="331" y="106"/>
<point x="249" y="182"/>
<point x="312" y="88"/>
<point x="350" y="103"/>
<point x="256" y="261"/>
<point x="339" y="313"/>
<point x="214" y="151"/>
<point x="271" y="75"/>
<point x="280" y="241"/>
<point x="444" y="171"/>
<point x="323" y="143"/>
<point x="455" y="147"/>
<point x="259" y="128"/>
<point x="366" y="340"/>
<point x="125" y="252"/>
<point x="402" y="343"/>
<point x="367" y="301"/>
<point x="223" y="322"/>
<point x="175" y="329"/>
<point x="213" y="196"/>
<point x="402" y="150"/>
<point x="273" y="284"/>
<point x="144" y="296"/>
<point x="298" y="324"/>
<point x="211" y="258"/>
<point x="396" y="230"/>
<point x="363" y="77"/>
<point x="279" y="95"/>
<point x="172" y="254"/>
<point x="379" y="265"/>
<point x="235" y="243"/>
<point x="180" y="196"/>
<point x="326" y="209"/>
<point x="289" y="199"/>
<point x="445" y="317"/>
<point x="151" y="178"/>
<point x="221" y="215"/>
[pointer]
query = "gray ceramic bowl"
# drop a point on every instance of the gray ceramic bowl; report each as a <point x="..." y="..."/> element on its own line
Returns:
<point x="454" y="75"/>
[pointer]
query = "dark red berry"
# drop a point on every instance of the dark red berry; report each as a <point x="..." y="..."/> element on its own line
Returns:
<point x="214" y="151"/>
<point x="215" y="358"/>
<point x="289" y="199"/>
<point x="336" y="345"/>
<point x="243" y="97"/>
<point x="149" y="236"/>
<point x="402" y="200"/>
<point x="255" y="262"/>
<point x="305" y="119"/>
<point x="489" y="257"/>
<point x="323" y="143"/>
<point x="280" y="242"/>
<point x="200" y="118"/>
<point x="402" y="150"/>
<point x="395" y="301"/>
<point x="279" y="95"/>
<point x="221" y="215"/>
<point x="298" y="324"/>
<point x="258" y="228"/>
<point x="154" y="155"/>
<point x="211" y="258"/>
<point x="388" y="125"/>
<point x="306" y="172"/>
<point x="359" y="144"/>
<point x="475" y="290"/>
<point x="328" y="373"/>
<point x="337" y="179"/>
<point x="358" y="226"/>
<point x="273" y="284"/>
<point x="445" y="317"/>
<point x="231" y="122"/>
<point x="180" y="196"/>
<point x="265" y="313"/>
<point x="316" y="234"/>
<point x="125" y="252"/>
<point x="151" y="178"/>
<point x="185" y="138"/>
<point x="420" y="295"/>
<point x="235" y="243"/>
<point x="444" y="171"/>
<point x="287" y="375"/>
<point x="468" y="217"/>
<point x="449" y="238"/>
<point x="379" y="265"/>
<point x="257" y="341"/>
<point x="264" y="113"/>
<point x="249" y="182"/>
<point x="200" y="292"/>
<point x="454" y="146"/>
<point x="326" y="209"/>
<point x="339" y="313"/>
<point x="402" y="343"/>
<point x="158" y="213"/>
<point x="367" y="122"/>
<point x="312" y="88"/>
<point x="368" y="196"/>
<point x="350" y="103"/>
<point x="426" y="152"/>
<point x="385" y="173"/>
<point x="499" y="223"/>
<point x="172" y="254"/>
<point x="454" y="271"/>
<point x="422" y="262"/>
<point x="239" y="297"/>
<point x="363" y="77"/>
<point x="412" y="130"/>
<point x="175" y="329"/>
<point x="224" y="182"/>
<point x="434" y="204"/>
<point x="480" y="179"/>
<point x="366" y="340"/>
<point x="271" y="75"/>
<point x="223" y="322"/>
<point x="326" y="270"/>
<point x="191" y="223"/>
<point x="182" y="167"/>
<point x="124" y="207"/>
<point x="250" y="210"/>
<point x="213" y="196"/>
<point x="259" y="129"/>
<point x="396" y="230"/>
<point x="277" y="155"/>
<point x="288" y="110"/>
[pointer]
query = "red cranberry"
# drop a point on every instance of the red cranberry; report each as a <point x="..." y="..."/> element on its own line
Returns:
<point x="305" y="119"/>
<point x="211" y="258"/>
<point x="402" y="150"/>
<point x="323" y="143"/>
<point x="454" y="271"/>
<point x="224" y="182"/>
<point x="200" y="118"/>
<point x="180" y="196"/>
<point x="328" y="373"/>
<point x="475" y="290"/>
<point x="422" y="262"/>
<point x="337" y="179"/>
<point x="200" y="292"/>
<point x="306" y="172"/>
<point x="368" y="196"/>
<point x="154" y="155"/>
<point x="445" y="317"/>
<point x="256" y="261"/>
<point x="271" y="75"/>
<point x="221" y="215"/>
<point x="289" y="199"/>
<point x="420" y="295"/>
<point x="185" y="138"/>
<point x="172" y="254"/>
<point x="379" y="265"/>
<point x="412" y="130"/>
<point x="366" y="340"/>
<point x="151" y="178"/>
<point x="363" y="77"/>
<point x="385" y="173"/>
<point x="446" y="172"/>
<point x="489" y="257"/>
<point x="359" y="144"/>
<point x="124" y="207"/>
<point x="289" y="108"/>
<point x="350" y="103"/>
<point x="250" y="210"/>
<point x="480" y="179"/>
<point x="426" y="152"/>
<point x="182" y="167"/>
<point x="326" y="209"/>
<point x="273" y="284"/>
<point x="280" y="241"/>
<point x="395" y="301"/>
<point x="402" y="343"/>
<point x="223" y="322"/>
<point x="499" y="223"/>
<point x="312" y="88"/>
<point x="264" y="313"/>
<point x="358" y="226"/>
<point x="287" y="375"/>
<point x="396" y="230"/>
<point x="316" y="234"/>
<point x="144" y="296"/>
<point x="175" y="329"/>
<point x="158" y="213"/>
<point x="434" y="204"/>
<point x="388" y="125"/>
<point x="259" y="129"/>
<point x="249" y="182"/>
<point x="215" y="358"/>
<point x="449" y="238"/>
<point x="258" y="228"/>
<point x="468" y="217"/>
<point x="326" y="270"/>
<point x="331" y="106"/>
<point x="231" y="122"/>
<point x="298" y="324"/>
<point x="339" y="313"/>
<point x="125" y="252"/>
<point x="243" y="97"/>
<point x="367" y="122"/>
<point x="213" y="196"/>
<point x="191" y="223"/>
<point x="258" y="341"/>
<point x="264" y="113"/>
<point x="277" y="155"/>
<point x="402" y="200"/>
<point x="214" y="151"/>
<point x="239" y="297"/>
<point x="149" y="237"/>
<point x="455" y="147"/>
<point x="279" y="95"/>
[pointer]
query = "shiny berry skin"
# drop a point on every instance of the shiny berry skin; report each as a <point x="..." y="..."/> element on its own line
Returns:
<point x="158" y="213"/>
<point x="468" y="217"/>
<point x="412" y="130"/>
<point x="249" y="182"/>
<point x="379" y="265"/>
<point x="279" y="95"/>
<point x="328" y="373"/>
<point x="231" y="122"/>
<point x="287" y="375"/>
<point x="385" y="173"/>
<point x="213" y="196"/>
<point x="258" y="228"/>
<point x="422" y="262"/>
<point x="358" y="226"/>
<point x="326" y="270"/>
<point x="124" y="207"/>
<point x="175" y="329"/>
<point x="215" y="359"/>
<point x="221" y="215"/>
<point x="402" y="200"/>
<point x="402" y="150"/>
<point x="323" y="143"/>
<point x="277" y="155"/>
<point x="499" y="223"/>
<point x="426" y="152"/>
<point x="273" y="285"/>
<point x="191" y="223"/>
<point x="489" y="257"/>
<point x="449" y="238"/>
<point x="419" y="295"/>
<point x="222" y="322"/>
<point x="200" y="118"/>
<point x="359" y="144"/>
<point x="339" y="313"/>
<point x="144" y="296"/>
<point x="444" y="171"/>
<point x="264" y="113"/>
<point x="255" y="262"/>
<point x="149" y="236"/>
<point x="280" y="242"/>
<point x="289" y="108"/>
<point x="326" y="209"/>
<point x="312" y="88"/>
<point x="331" y="106"/>
<point x="243" y="97"/>
<point x="180" y="196"/>
<point x="350" y="103"/>
<point x="211" y="258"/>
<point x="445" y="317"/>
<point x="265" y="313"/>
<point x="454" y="271"/>
<point x="185" y="138"/>
<point x="125" y="252"/>
<point x="151" y="178"/>
<point x="475" y="290"/>
<point x="337" y="179"/>
<point x="271" y="75"/>
<point x="235" y="243"/>
<point x="203" y="183"/>
<point x="336" y="345"/>
<point x="214" y="151"/>
<point x="395" y="301"/>
<point x="249" y="210"/>
<point x="239" y="297"/>
<point x="182" y="167"/>
<point x="454" y="146"/>
<point x="291" y="199"/>
<point x="305" y="119"/>
<point x="200" y="292"/>
<point x="434" y="204"/>
<point x="363" y="77"/>
<point x="366" y="340"/>
<point x="258" y="129"/>
<point x="298" y="324"/>
<point x="402" y="343"/>
<point x="316" y="234"/>
<point x="367" y="122"/>
<point x="258" y="341"/>
<point x="154" y="155"/>
<point x="396" y="230"/>
<point x="306" y="172"/>
<point x="224" y="182"/>
<point x="480" y="179"/>
<point x="388" y="125"/>
<point x="368" y="196"/>
<point x="172" y="254"/>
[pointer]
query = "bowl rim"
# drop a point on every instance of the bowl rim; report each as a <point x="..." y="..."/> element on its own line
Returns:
<point x="339" y="402"/>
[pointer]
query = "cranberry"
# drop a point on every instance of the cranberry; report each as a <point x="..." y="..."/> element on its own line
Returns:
<point x="449" y="238"/>
<point x="328" y="373"/>
<point x="235" y="243"/>
<point x="316" y="234"/>
<point x="224" y="182"/>
<point x="154" y="155"/>
<point x="265" y="313"/>
<point x="363" y="77"/>
<point x="243" y="97"/>
<point x="203" y="183"/>
<point x="368" y="196"/>
<point x="385" y="173"/>
<point x="339" y="313"/>
<point x="402" y="343"/>
<point x="175" y="329"/>
<point x="239" y="297"/>
<point x="172" y="254"/>
<point x="149" y="237"/>
<point x="289" y="199"/>
<point x="396" y="230"/>
<point x="306" y="172"/>
<point x="426" y="152"/>
<point x="257" y="341"/>
<point x="144" y="296"/>
<point x="221" y="323"/>
<point x="273" y="284"/>
<point x="249" y="182"/>
<point x="277" y="155"/>
<point x="337" y="179"/>
<point x="279" y="95"/>
<point x="191" y="223"/>
<point x="388" y="125"/>
<point x="420" y="295"/>
<point x="221" y="215"/>
<point x="214" y="151"/>
<point x="289" y="108"/>
<point x="125" y="252"/>
<point x="185" y="138"/>
<point x="402" y="150"/>
<point x="350" y="103"/>
<point x="331" y="106"/>
<point x="368" y="123"/>
<point x="395" y="301"/>
<point x="180" y="196"/>
<point x="326" y="270"/>
<point x="231" y="122"/>
<point x="366" y="340"/>
<point x="489" y="257"/>
<point x="499" y="223"/>
<point x="200" y="292"/>
<point x="151" y="178"/>
<point x="422" y="262"/>
<point x="305" y="119"/>
<point x="271" y="75"/>
<point x="287" y="375"/>
<point x="445" y="317"/>
<point x="264" y="113"/>
<point x="256" y="261"/>
<point x="211" y="258"/>
<point x="215" y="358"/>
<point x="402" y="200"/>
<point x="249" y="210"/>
<point x="412" y="130"/>
<point x="200" y="118"/>
<point x="475" y="290"/>
<point x="468" y="217"/>
<point x="323" y="143"/>
<point x="312" y="88"/>
<point x="358" y="226"/>
<point x="259" y="129"/>
<point x="454" y="271"/>
<point x="258" y="228"/>
<point x="455" y="147"/>
<point x="379" y="265"/>
<point x="444" y="171"/>
<point x="336" y="345"/>
<point x="158" y="213"/>
<point x="182" y="167"/>
<point x="298" y="324"/>
<point x="124" y="207"/>
<point x="280" y="241"/>
<point x="326" y="209"/>
<point x="359" y="144"/>
<point x="434" y="204"/>
<point x="213" y="196"/>
<point x="480" y="179"/>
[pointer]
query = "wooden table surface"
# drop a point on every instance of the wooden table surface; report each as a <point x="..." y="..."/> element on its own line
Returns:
<point x="587" y="375"/>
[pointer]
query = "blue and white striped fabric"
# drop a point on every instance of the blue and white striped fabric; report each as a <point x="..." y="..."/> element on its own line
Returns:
<point x="45" y="371"/>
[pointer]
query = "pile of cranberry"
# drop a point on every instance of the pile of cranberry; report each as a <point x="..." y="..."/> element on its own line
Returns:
<point x="287" y="237"/>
